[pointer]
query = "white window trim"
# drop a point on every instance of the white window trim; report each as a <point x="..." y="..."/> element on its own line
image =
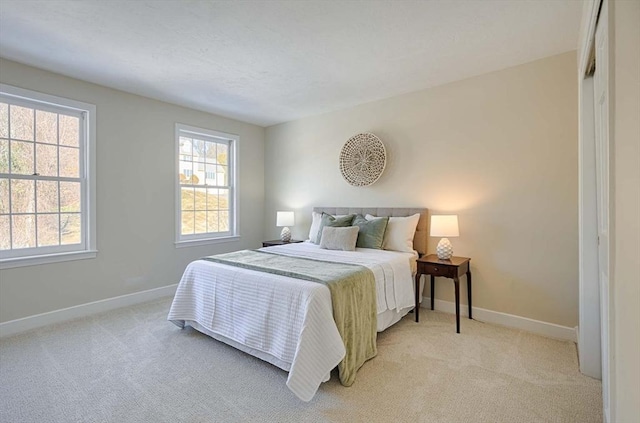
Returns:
<point x="207" y="239"/>
<point x="89" y="217"/>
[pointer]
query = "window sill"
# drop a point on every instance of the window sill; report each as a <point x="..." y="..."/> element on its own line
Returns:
<point x="46" y="259"/>
<point x="208" y="241"/>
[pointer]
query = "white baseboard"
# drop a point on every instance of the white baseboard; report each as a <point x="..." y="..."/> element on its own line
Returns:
<point x="13" y="327"/>
<point x="550" y="330"/>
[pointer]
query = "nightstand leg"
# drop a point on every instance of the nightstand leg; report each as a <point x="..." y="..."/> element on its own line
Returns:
<point x="433" y="291"/>
<point x="469" y="291"/>
<point x="417" y="308"/>
<point x="456" y="281"/>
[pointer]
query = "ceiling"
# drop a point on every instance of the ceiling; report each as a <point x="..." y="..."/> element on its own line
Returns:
<point x="267" y="62"/>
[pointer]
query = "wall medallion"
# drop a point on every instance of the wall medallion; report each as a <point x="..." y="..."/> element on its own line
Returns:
<point x="362" y="159"/>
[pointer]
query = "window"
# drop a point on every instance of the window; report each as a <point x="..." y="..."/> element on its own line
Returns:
<point x="206" y="185"/>
<point x="47" y="211"/>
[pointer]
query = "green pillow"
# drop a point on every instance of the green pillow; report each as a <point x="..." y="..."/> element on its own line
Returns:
<point x="371" y="232"/>
<point x="336" y="222"/>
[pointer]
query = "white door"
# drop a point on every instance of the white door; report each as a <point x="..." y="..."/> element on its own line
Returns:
<point x="601" y="96"/>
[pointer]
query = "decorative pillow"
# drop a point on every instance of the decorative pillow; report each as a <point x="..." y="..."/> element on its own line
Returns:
<point x="339" y="238"/>
<point x="336" y="222"/>
<point x="315" y="224"/>
<point x="399" y="233"/>
<point x="371" y="233"/>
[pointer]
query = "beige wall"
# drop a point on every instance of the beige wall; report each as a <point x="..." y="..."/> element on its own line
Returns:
<point x="625" y="281"/>
<point x="500" y="150"/>
<point x="135" y="199"/>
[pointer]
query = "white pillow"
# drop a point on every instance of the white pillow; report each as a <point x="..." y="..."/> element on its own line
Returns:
<point x="399" y="233"/>
<point x="340" y="238"/>
<point x="315" y="225"/>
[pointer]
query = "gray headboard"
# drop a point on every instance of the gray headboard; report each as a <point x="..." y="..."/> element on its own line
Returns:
<point x="422" y="231"/>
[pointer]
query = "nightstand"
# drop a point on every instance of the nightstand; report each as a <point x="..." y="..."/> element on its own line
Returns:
<point x="279" y="242"/>
<point x="452" y="269"/>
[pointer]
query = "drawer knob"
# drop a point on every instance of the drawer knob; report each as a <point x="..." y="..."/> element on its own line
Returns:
<point x="435" y="268"/>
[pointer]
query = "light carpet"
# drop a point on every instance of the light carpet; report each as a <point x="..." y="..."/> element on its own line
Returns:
<point x="132" y="365"/>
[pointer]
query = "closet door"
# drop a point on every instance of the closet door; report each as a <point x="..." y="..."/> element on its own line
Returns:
<point x="601" y="97"/>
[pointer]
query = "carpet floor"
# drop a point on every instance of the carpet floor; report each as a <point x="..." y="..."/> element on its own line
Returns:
<point x="131" y="365"/>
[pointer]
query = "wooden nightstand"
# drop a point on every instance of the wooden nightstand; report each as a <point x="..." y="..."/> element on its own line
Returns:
<point x="279" y="242"/>
<point x="452" y="269"/>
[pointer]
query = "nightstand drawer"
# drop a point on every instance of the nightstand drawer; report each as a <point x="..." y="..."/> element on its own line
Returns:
<point x="437" y="270"/>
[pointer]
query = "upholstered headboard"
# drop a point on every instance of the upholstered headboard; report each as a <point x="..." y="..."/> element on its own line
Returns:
<point x="422" y="231"/>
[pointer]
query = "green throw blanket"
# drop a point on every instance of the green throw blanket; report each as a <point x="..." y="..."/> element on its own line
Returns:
<point x="353" y="295"/>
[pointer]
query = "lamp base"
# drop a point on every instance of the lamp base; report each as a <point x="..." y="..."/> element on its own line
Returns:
<point x="444" y="249"/>
<point x="285" y="235"/>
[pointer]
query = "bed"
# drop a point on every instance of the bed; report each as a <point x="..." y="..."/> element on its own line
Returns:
<point x="287" y="321"/>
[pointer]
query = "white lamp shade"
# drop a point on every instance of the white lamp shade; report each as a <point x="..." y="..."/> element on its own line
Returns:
<point x="444" y="225"/>
<point x="285" y="218"/>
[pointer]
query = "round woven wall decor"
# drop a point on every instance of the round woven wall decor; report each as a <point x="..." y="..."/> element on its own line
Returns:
<point x="362" y="159"/>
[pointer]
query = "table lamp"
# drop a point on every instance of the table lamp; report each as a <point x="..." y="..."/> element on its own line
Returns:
<point x="444" y="226"/>
<point x="285" y="218"/>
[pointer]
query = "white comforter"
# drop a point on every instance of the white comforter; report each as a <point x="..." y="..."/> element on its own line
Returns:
<point x="285" y="321"/>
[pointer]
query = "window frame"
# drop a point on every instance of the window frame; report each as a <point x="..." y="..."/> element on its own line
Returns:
<point x="233" y="142"/>
<point x="87" y="154"/>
